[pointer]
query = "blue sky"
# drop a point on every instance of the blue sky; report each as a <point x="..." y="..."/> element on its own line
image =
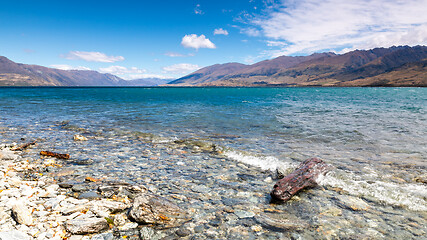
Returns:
<point x="169" y="38"/>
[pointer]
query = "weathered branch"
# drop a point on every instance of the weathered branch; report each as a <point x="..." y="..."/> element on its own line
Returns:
<point x="303" y="177"/>
<point x="57" y="155"/>
<point x="23" y="146"/>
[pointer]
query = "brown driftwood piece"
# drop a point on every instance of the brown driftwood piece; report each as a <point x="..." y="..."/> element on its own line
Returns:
<point x="53" y="154"/>
<point x="303" y="177"/>
<point x="23" y="146"/>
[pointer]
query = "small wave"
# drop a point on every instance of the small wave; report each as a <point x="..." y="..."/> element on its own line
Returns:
<point x="263" y="162"/>
<point x="411" y="196"/>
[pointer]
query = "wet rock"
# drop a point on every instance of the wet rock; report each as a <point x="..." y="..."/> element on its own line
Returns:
<point x="244" y="214"/>
<point x="152" y="209"/>
<point x="199" y="229"/>
<point x="14" y="235"/>
<point x="183" y="232"/>
<point x="68" y="184"/>
<point x="353" y="203"/>
<point x="280" y="222"/>
<point x="91" y="195"/>
<point x="79" y="188"/>
<point x="119" y="189"/>
<point x="22" y="214"/>
<point x="86" y="161"/>
<point x="85" y="225"/>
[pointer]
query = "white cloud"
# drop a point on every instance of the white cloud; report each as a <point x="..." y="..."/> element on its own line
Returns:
<point x="276" y="43"/>
<point x="148" y="75"/>
<point x="68" y="67"/>
<point x="120" y="70"/>
<point x="92" y="57"/>
<point x="198" y="10"/>
<point x="252" y="32"/>
<point x="181" y="68"/>
<point x="194" y="41"/>
<point x="220" y="31"/>
<point x="310" y="25"/>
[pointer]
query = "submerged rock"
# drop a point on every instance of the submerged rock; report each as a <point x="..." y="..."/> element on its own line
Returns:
<point x="78" y="137"/>
<point x="280" y="222"/>
<point x="353" y="203"/>
<point x="152" y="209"/>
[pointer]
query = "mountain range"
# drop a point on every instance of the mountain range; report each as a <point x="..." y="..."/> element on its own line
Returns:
<point x="17" y="74"/>
<point x="394" y="66"/>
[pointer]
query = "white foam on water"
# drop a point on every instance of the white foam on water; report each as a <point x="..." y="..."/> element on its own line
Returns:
<point x="411" y="196"/>
<point x="263" y="162"/>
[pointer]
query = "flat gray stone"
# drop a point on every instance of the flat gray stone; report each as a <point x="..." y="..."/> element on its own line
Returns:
<point x="86" y="225"/>
<point x="152" y="209"/>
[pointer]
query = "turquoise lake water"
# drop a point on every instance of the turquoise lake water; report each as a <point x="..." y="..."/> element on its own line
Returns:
<point x="376" y="138"/>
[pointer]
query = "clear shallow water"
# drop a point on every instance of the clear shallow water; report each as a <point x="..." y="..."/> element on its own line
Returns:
<point x="374" y="137"/>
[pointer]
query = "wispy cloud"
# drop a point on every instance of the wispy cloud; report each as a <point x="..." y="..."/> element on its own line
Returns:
<point x="92" y="57"/>
<point x="220" y="31"/>
<point x="194" y="41"/>
<point x="253" y="32"/>
<point x="68" y="67"/>
<point x="120" y="70"/>
<point x="308" y="26"/>
<point x="181" y="68"/>
<point x="175" y="54"/>
<point x="198" y="10"/>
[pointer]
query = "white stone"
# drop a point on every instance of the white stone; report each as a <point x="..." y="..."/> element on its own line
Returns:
<point x="14" y="235"/>
<point x="128" y="226"/>
<point x="22" y="213"/>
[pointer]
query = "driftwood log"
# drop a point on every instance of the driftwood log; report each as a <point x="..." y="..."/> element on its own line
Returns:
<point x="303" y="177"/>
<point x="53" y="154"/>
<point x="23" y="146"/>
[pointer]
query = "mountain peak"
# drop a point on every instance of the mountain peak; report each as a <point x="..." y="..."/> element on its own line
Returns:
<point x="402" y="65"/>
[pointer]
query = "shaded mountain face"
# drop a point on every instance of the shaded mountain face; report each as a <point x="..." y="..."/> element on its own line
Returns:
<point x="16" y="74"/>
<point x="395" y="66"/>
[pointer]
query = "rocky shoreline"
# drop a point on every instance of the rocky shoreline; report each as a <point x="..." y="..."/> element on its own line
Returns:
<point x="44" y="209"/>
<point x="183" y="189"/>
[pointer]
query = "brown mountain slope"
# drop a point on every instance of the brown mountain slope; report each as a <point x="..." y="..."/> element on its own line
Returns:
<point x="16" y="74"/>
<point x="328" y="69"/>
<point x="209" y="74"/>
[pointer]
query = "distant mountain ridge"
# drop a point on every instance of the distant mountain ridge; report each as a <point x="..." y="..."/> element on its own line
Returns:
<point x="394" y="66"/>
<point x="17" y="74"/>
